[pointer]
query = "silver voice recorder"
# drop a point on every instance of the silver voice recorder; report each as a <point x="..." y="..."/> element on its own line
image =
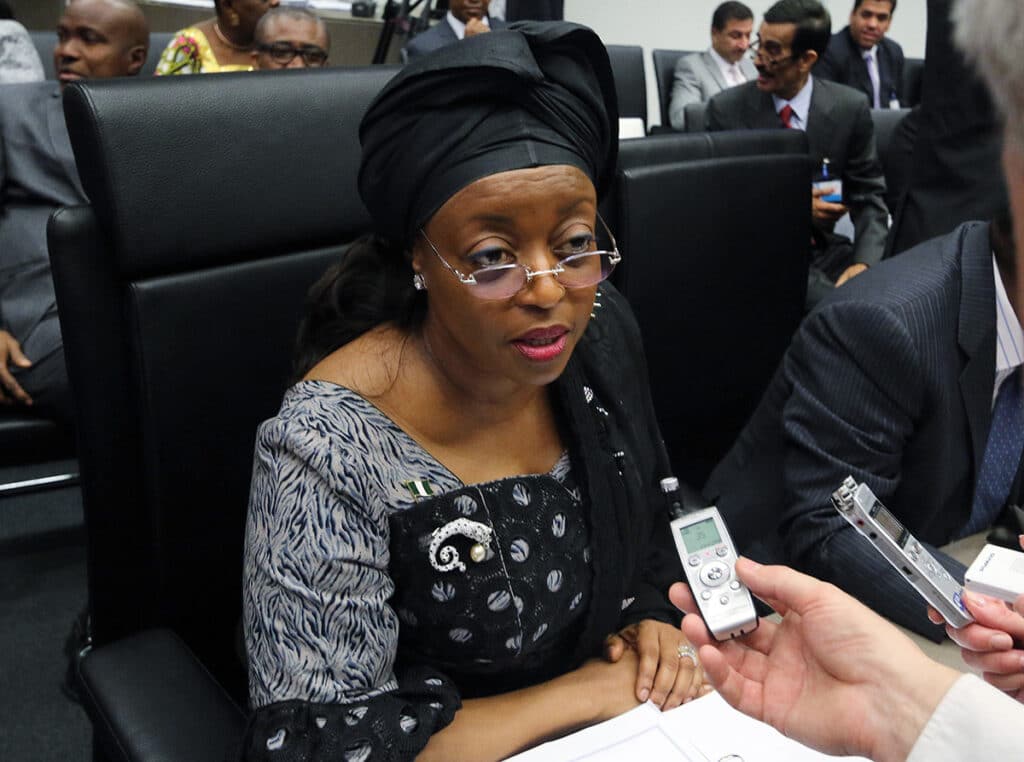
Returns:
<point x="709" y="559"/>
<point x="858" y="505"/>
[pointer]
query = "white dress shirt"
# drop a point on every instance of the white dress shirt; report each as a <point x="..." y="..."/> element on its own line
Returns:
<point x="732" y="72"/>
<point x="1009" y="336"/>
<point x="974" y="721"/>
<point x="800" y="103"/>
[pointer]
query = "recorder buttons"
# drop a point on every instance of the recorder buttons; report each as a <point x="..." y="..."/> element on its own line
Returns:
<point x="734" y="585"/>
<point x="724" y="599"/>
<point x="693" y="560"/>
<point x="705" y="595"/>
<point x="721" y="550"/>
<point x="714" y="574"/>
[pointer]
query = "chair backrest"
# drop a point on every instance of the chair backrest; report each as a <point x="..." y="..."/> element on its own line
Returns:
<point x="672" y="147"/>
<point x="695" y="114"/>
<point x="630" y="82"/>
<point x="718" y="253"/>
<point x="913" y="77"/>
<point x="179" y="289"/>
<point x="664" y="68"/>
<point x="46" y="40"/>
<point x="895" y="155"/>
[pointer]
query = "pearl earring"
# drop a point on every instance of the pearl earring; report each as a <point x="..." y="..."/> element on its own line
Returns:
<point x="418" y="282"/>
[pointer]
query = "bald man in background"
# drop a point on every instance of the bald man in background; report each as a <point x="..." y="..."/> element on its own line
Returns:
<point x="95" y="39"/>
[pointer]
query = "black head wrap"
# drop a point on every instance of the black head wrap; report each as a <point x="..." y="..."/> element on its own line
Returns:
<point x="531" y="95"/>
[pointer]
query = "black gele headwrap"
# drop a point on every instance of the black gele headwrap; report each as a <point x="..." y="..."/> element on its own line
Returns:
<point x="534" y="94"/>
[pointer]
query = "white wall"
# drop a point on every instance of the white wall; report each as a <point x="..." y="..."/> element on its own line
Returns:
<point x="686" y="24"/>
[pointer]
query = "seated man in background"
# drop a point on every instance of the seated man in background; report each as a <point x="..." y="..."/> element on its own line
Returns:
<point x="862" y="57"/>
<point x="838" y="124"/>
<point x="908" y="380"/>
<point x="95" y="38"/>
<point x="698" y="76"/>
<point x="290" y="38"/>
<point x="465" y="18"/>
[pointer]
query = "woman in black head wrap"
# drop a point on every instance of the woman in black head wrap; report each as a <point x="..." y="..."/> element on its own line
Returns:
<point x="455" y="546"/>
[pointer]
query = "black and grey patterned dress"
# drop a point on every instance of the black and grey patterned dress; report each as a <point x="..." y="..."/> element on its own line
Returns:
<point x="379" y="589"/>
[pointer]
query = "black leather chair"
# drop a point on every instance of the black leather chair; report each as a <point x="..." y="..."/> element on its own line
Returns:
<point x="180" y="288"/>
<point x="718" y="253"/>
<point x="664" y="68"/>
<point x="46" y="40"/>
<point x="913" y="77"/>
<point x="894" y="155"/>
<point x="29" y="440"/>
<point x="630" y="81"/>
<point x="675" y="147"/>
<point x="695" y="116"/>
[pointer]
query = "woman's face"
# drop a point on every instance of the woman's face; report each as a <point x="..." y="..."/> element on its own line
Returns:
<point x="494" y="348"/>
<point x="249" y="12"/>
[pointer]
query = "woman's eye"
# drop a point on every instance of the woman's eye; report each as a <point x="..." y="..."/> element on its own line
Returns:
<point x="579" y="244"/>
<point x="491" y="257"/>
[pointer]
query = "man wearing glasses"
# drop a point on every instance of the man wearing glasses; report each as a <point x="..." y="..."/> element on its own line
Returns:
<point x="836" y="119"/>
<point x="290" y="38"/>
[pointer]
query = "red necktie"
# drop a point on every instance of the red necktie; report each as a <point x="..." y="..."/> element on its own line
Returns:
<point x="785" y="115"/>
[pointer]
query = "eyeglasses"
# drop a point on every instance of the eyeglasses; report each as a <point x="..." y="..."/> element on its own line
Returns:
<point x="767" y="55"/>
<point x="576" y="268"/>
<point x="284" y="53"/>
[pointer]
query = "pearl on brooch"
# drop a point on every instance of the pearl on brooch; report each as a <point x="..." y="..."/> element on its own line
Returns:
<point x="477" y="553"/>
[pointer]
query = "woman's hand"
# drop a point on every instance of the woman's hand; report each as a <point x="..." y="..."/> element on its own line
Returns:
<point x="663" y="676"/>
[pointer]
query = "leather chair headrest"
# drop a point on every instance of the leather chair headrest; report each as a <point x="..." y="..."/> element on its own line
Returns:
<point x="272" y="155"/>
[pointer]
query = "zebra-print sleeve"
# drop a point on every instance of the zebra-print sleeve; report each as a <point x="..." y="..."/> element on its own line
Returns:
<point x="318" y="627"/>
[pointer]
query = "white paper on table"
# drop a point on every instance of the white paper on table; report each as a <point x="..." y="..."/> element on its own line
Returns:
<point x="704" y="730"/>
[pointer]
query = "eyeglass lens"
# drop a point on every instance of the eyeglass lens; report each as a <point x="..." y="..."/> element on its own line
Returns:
<point x="575" y="271"/>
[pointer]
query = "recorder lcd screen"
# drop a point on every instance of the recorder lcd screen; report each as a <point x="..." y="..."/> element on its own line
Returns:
<point x="701" y="535"/>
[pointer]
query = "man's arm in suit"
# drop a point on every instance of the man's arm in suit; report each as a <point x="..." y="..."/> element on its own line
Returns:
<point x="864" y="189"/>
<point x="686" y="88"/>
<point x="857" y="389"/>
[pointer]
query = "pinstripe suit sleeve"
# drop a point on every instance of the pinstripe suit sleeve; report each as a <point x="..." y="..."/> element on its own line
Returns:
<point x="856" y="393"/>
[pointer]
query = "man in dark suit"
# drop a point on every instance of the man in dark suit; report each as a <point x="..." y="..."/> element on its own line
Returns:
<point x="96" y="38"/>
<point x="838" y="124"/>
<point x="862" y="57"/>
<point x="464" y="18"/>
<point x="895" y="379"/>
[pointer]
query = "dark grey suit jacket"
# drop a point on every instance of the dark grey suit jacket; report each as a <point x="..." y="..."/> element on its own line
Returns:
<point x="890" y="380"/>
<point x="37" y="175"/>
<point x="843" y="62"/>
<point x="839" y="128"/>
<point x="439" y="35"/>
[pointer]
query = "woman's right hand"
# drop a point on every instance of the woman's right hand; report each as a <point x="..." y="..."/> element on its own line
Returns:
<point x="611" y="686"/>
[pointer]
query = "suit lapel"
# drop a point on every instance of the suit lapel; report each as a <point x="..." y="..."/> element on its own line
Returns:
<point x="976" y="334"/>
<point x="59" y="139"/>
<point x="713" y="70"/>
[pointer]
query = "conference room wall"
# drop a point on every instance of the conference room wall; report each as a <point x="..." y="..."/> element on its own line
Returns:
<point x="685" y="25"/>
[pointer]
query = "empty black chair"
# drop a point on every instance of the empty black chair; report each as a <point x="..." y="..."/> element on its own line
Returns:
<point x="717" y="252"/>
<point x="179" y="294"/>
<point x="630" y="82"/>
<point x="675" y="147"/>
<point x="664" y="68"/>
